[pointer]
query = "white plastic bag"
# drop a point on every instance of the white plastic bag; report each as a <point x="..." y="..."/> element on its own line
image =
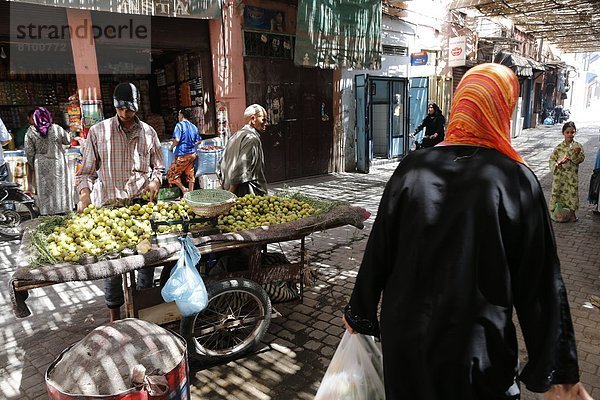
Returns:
<point x="355" y="371"/>
<point x="185" y="285"/>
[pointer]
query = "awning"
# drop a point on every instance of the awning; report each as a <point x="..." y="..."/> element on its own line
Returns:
<point x="519" y="64"/>
<point x="204" y="9"/>
<point x="536" y="65"/>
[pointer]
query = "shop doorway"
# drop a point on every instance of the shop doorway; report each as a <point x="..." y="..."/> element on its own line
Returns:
<point x="419" y="97"/>
<point x="299" y="102"/>
<point x="381" y="119"/>
<point x="181" y="75"/>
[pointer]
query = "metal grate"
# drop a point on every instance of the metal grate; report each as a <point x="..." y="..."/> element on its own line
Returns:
<point x="271" y="45"/>
<point x="395" y="50"/>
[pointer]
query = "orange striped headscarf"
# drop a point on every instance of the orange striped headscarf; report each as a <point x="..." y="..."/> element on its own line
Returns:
<point x="482" y="108"/>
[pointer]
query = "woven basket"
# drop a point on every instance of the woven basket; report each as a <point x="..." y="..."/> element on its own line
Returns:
<point x="209" y="202"/>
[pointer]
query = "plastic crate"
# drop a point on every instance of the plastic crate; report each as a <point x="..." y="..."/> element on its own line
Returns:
<point x="207" y="160"/>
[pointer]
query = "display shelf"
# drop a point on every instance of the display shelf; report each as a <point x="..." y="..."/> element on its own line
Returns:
<point x="19" y="93"/>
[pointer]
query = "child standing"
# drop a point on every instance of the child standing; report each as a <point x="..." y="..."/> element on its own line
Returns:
<point x="564" y="165"/>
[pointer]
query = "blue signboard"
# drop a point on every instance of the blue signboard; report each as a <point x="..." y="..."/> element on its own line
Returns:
<point x="417" y="59"/>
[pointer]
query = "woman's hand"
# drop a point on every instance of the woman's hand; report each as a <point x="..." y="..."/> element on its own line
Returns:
<point x="567" y="392"/>
<point x="348" y="327"/>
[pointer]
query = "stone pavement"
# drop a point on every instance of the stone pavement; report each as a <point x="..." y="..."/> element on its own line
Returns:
<point x="299" y="345"/>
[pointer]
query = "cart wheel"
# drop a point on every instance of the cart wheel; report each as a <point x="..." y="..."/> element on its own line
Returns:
<point x="235" y="320"/>
<point x="14" y="213"/>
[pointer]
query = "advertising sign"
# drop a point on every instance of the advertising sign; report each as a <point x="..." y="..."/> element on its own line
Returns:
<point x="417" y="59"/>
<point x="457" y="51"/>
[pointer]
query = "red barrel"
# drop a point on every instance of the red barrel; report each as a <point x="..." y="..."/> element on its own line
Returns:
<point x="100" y="365"/>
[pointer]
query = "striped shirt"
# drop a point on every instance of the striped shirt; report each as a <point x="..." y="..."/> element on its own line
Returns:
<point x="119" y="164"/>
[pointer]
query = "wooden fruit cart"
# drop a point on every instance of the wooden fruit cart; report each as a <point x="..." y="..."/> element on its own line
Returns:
<point x="239" y="309"/>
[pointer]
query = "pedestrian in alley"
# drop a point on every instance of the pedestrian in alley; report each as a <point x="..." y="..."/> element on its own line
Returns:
<point x="122" y="159"/>
<point x="44" y="147"/>
<point x="434" y="125"/>
<point x="594" y="189"/>
<point x="461" y="237"/>
<point x="241" y="169"/>
<point x="564" y="166"/>
<point x="185" y="138"/>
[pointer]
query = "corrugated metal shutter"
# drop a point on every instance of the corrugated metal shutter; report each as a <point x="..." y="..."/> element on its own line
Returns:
<point x="457" y="74"/>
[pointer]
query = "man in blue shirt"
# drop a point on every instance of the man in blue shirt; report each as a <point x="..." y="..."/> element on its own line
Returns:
<point x="4" y="139"/>
<point x="185" y="138"/>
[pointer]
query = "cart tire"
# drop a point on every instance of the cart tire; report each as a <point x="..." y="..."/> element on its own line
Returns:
<point x="235" y="320"/>
<point x="15" y="213"/>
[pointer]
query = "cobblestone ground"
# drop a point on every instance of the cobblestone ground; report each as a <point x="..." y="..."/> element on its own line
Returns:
<point x="299" y="345"/>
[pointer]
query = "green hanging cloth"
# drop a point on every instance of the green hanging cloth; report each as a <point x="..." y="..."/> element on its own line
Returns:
<point x="338" y="33"/>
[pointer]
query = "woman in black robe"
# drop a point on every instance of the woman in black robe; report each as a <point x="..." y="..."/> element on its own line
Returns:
<point x="463" y="236"/>
<point x="433" y="123"/>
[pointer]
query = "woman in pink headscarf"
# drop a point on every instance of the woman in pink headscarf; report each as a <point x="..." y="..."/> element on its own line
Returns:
<point x="44" y="142"/>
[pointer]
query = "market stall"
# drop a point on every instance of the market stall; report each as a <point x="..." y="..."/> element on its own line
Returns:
<point x="225" y="287"/>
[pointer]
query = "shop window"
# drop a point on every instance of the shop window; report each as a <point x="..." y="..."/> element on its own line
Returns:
<point x="263" y="44"/>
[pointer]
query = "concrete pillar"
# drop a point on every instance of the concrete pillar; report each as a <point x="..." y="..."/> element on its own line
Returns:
<point x="84" y="55"/>
<point x="226" y="44"/>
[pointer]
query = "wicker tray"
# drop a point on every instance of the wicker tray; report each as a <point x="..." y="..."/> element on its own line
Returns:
<point x="209" y="202"/>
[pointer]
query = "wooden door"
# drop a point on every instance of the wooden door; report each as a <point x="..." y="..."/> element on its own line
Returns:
<point x="301" y="142"/>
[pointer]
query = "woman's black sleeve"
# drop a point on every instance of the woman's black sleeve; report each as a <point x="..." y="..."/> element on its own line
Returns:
<point x="540" y="298"/>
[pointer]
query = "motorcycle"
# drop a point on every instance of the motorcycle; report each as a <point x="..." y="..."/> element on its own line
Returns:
<point x="16" y="207"/>
<point x="561" y="115"/>
<point x="566" y="115"/>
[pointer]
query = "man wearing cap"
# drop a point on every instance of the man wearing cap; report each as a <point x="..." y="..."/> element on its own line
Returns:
<point x="241" y="169"/>
<point x="122" y="159"/>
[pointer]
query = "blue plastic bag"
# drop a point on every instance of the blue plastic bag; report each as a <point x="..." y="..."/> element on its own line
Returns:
<point x="185" y="286"/>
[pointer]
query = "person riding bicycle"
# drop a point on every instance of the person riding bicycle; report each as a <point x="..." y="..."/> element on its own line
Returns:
<point x="434" y="127"/>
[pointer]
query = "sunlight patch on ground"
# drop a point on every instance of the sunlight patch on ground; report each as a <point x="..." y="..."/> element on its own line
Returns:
<point x="8" y="389"/>
<point x="240" y="379"/>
